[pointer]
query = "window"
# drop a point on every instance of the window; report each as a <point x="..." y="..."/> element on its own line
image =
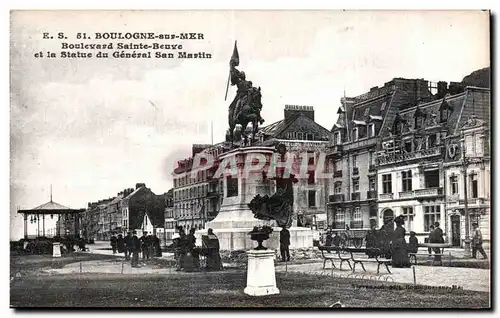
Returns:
<point x="339" y="216"/>
<point x="371" y="130"/>
<point x="357" y="216"/>
<point x="371" y="183"/>
<point x="355" y="134"/>
<point x="337" y="138"/>
<point x="408" y="145"/>
<point x="473" y="186"/>
<point x="431" y="178"/>
<point x="355" y="185"/>
<point x="338" y="187"/>
<point x="469" y="146"/>
<point x="431" y="214"/>
<point x="386" y="183"/>
<point x="367" y="111"/>
<point x="312" y="198"/>
<point x="232" y="186"/>
<point x="406" y="178"/>
<point x="372" y="158"/>
<point x="383" y="106"/>
<point x="408" y="214"/>
<point x="432" y="140"/>
<point x="338" y="165"/>
<point x="354" y="161"/>
<point x="479" y="145"/>
<point x="310" y="136"/>
<point x="454" y="184"/>
<point x="299" y="136"/>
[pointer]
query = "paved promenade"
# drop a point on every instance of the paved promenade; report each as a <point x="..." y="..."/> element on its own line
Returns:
<point x="467" y="278"/>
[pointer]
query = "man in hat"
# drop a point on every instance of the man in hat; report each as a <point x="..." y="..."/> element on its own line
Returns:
<point x="285" y="244"/>
<point x="477" y="241"/>
<point x="136" y="243"/>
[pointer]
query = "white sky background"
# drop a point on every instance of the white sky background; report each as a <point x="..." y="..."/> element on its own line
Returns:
<point x="88" y="128"/>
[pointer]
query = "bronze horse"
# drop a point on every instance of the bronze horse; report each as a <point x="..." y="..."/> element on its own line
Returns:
<point x="247" y="110"/>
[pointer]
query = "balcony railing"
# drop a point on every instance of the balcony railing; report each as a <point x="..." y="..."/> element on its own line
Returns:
<point x="336" y="198"/>
<point x="212" y="194"/>
<point x="339" y="225"/>
<point x="355" y="171"/>
<point x="355" y="196"/>
<point x="429" y="192"/>
<point x="372" y="194"/>
<point x="337" y="174"/>
<point x="406" y="194"/>
<point x="336" y="150"/>
<point x="386" y="196"/>
<point x="356" y="225"/>
<point x="392" y="158"/>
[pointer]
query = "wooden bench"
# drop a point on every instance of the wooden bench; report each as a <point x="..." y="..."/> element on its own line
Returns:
<point x="437" y="256"/>
<point x="377" y="259"/>
<point x="331" y="253"/>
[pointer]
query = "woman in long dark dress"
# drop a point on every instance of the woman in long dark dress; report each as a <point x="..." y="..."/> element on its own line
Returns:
<point x="400" y="253"/>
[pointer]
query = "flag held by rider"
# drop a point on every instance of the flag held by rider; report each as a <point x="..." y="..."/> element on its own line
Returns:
<point x="235" y="61"/>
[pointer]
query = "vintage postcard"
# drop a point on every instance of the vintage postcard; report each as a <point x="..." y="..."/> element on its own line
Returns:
<point x="312" y="159"/>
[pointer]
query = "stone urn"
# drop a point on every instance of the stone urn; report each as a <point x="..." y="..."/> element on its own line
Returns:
<point x="260" y="234"/>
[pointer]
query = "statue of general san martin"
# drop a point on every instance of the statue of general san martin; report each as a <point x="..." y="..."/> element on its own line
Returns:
<point x="247" y="104"/>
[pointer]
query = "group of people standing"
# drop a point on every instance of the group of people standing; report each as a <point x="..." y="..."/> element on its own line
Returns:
<point x="132" y="246"/>
<point x="187" y="255"/>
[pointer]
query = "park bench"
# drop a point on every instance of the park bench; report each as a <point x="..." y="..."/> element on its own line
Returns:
<point x="437" y="256"/>
<point x="331" y="253"/>
<point x="356" y="259"/>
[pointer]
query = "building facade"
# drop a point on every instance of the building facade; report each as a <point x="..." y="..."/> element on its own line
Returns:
<point x="467" y="169"/>
<point x="197" y="198"/>
<point x="353" y="191"/>
<point x="412" y="177"/>
<point x="142" y="210"/>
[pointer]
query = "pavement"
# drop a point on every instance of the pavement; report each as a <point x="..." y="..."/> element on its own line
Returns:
<point x="467" y="278"/>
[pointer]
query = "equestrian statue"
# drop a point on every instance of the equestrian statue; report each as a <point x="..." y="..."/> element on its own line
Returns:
<point x="246" y="105"/>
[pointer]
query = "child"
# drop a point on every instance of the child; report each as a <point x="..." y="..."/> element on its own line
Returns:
<point x="413" y="243"/>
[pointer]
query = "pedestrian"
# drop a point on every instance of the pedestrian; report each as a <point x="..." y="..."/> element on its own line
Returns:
<point x="113" y="243"/>
<point x="430" y="238"/>
<point x="329" y="238"/>
<point x="156" y="246"/>
<point x="120" y="244"/>
<point x="285" y="244"/>
<point x="477" y="242"/>
<point x="214" y="261"/>
<point x="129" y="245"/>
<point x="145" y="245"/>
<point x="399" y="249"/>
<point x="136" y="243"/>
<point x="413" y="243"/>
<point x="437" y="238"/>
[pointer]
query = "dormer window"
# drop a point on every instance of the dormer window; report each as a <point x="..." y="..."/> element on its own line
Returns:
<point x="337" y="138"/>
<point x="419" y="118"/>
<point x="371" y="130"/>
<point x="444" y="111"/>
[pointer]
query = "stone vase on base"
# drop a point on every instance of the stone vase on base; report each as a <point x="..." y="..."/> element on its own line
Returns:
<point x="261" y="277"/>
<point x="56" y="249"/>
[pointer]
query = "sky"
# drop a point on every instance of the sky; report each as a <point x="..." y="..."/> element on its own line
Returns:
<point x="93" y="127"/>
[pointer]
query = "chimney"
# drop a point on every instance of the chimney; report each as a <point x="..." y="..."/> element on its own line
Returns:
<point x="291" y="110"/>
<point x="442" y="89"/>
<point x="455" y="88"/>
<point x="138" y="185"/>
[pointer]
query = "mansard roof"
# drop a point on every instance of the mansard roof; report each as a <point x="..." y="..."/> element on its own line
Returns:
<point x="296" y="123"/>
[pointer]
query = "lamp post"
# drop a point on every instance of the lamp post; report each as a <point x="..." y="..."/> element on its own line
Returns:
<point x="467" y="241"/>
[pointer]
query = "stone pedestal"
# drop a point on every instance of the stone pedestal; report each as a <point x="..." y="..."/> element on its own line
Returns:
<point x="56" y="249"/>
<point x="261" y="277"/>
<point x="235" y="219"/>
